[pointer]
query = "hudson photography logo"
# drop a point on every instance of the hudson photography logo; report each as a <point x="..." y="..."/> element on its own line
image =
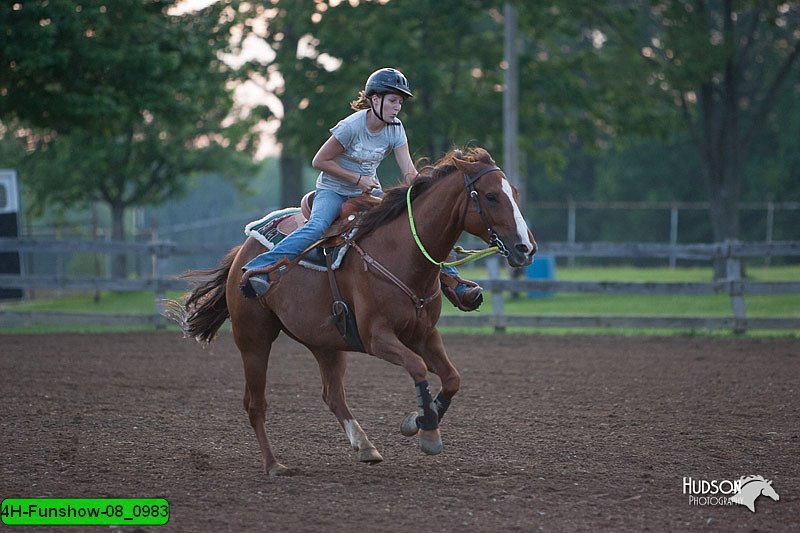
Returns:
<point x="742" y="491"/>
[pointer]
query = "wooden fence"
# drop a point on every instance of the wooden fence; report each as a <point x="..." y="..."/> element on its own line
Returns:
<point x="572" y="208"/>
<point x="734" y="285"/>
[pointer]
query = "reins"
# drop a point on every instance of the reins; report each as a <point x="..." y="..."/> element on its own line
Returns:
<point x="471" y="255"/>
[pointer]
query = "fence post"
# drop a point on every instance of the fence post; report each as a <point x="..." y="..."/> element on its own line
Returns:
<point x="673" y="233"/>
<point x="159" y="258"/>
<point x="571" y="229"/>
<point x="770" y="223"/>
<point x="498" y="307"/>
<point x="733" y="271"/>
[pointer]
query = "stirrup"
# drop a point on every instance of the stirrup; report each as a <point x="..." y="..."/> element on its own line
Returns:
<point x="474" y="298"/>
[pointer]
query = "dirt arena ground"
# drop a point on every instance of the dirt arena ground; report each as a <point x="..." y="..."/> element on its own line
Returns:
<point x="547" y="433"/>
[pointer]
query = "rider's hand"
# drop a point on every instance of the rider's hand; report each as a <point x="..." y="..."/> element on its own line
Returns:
<point x="368" y="183"/>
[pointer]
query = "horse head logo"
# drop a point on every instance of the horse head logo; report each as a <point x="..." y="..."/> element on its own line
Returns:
<point x="751" y="488"/>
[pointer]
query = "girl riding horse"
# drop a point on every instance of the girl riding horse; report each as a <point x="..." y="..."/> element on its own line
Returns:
<point x="348" y="162"/>
<point x="391" y="279"/>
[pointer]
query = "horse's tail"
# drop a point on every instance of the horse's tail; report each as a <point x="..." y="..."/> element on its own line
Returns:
<point x="205" y="309"/>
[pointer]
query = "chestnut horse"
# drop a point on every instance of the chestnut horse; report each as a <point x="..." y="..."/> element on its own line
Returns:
<point x="396" y="318"/>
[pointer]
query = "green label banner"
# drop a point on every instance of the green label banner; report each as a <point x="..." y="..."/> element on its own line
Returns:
<point x="85" y="511"/>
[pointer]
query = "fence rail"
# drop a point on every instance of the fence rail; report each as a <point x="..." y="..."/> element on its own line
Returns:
<point x="674" y="208"/>
<point x="733" y="285"/>
<point x="706" y="252"/>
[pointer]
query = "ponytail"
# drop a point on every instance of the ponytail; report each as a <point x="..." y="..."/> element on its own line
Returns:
<point x="362" y="102"/>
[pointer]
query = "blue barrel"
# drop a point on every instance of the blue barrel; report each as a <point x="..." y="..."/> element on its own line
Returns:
<point x="543" y="267"/>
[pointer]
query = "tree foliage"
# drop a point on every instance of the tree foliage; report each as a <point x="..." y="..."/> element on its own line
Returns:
<point x="117" y="102"/>
<point x="614" y="96"/>
<point x="720" y="67"/>
<point x="448" y="49"/>
<point x="597" y="80"/>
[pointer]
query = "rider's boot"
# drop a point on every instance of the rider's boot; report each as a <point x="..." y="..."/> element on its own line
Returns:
<point x="254" y="287"/>
<point x="256" y="282"/>
<point x="464" y="294"/>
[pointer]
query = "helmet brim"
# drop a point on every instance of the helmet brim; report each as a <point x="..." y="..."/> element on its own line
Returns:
<point x="396" y="90"/>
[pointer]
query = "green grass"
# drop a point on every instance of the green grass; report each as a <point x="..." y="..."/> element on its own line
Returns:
<point x="624" y="304"/>
<point x="664" y="305"/>
<point x="45" y="329"/>
<point x="781" y="305"/>
<point x="630" y="273"/>
<point x="130" y="303"/>
<point x="623" y="332"/>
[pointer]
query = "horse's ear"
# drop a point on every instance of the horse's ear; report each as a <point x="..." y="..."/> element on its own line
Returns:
<point x="465" y="166"/>
<point x="458" y="154"/>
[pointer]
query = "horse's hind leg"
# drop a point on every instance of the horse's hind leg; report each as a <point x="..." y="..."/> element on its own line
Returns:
<point x="254" y="345"/>
<point x="332" y="366"/>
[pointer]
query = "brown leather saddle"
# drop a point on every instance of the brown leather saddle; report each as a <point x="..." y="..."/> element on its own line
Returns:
<point x="345" y="222"/>
<point x="317" y="254"/>
<point x="341" y="315"/>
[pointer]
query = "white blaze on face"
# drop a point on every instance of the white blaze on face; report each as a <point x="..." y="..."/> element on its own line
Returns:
<point x="522" y="227"/>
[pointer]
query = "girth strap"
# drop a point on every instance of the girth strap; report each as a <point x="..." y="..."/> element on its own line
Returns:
<point x="419" y="303"/>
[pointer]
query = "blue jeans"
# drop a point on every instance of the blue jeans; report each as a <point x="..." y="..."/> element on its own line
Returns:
<point x="325" y="210"/>
<point x="451" y="270"/>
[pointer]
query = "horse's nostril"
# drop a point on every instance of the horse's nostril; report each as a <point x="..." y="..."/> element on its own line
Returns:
<point x="523" y="248"/>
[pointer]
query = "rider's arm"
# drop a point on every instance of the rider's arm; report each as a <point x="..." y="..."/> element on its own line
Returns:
<point x="407" y="168"/>
<point x="325" y="160"/>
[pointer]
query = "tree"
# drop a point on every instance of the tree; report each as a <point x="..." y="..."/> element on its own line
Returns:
<point x="718" y="65"/>
<point x="593" y="76"/>
<point x="287" y="22"/>
<point x="447" y="48"/>
<point x="450" y="53"/>
<point x="116" y="102"/>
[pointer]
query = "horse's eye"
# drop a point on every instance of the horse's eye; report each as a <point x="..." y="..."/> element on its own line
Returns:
<point x="492" y="197"/>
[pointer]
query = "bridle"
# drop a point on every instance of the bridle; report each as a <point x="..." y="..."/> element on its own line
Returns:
<point x="469" y="183"/>
<point x="496" y="244"/>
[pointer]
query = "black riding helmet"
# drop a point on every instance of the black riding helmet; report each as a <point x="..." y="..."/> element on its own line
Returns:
<point x="387" y="80"/>
<point x="382" y="82"/>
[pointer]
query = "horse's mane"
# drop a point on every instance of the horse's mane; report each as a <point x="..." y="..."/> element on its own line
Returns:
<point x="394" y="198"/>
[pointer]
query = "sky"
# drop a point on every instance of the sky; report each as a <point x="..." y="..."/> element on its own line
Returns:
<point x="250" y="93"/>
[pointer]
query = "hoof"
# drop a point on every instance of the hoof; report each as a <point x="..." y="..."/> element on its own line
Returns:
<point x="430" y="442"/>
<point x="408" y="427"/>
<point x="280" y="470"/>
<point x="369" y="455"/>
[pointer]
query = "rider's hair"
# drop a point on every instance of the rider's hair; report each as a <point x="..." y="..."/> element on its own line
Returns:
<point x="362" y="102"/>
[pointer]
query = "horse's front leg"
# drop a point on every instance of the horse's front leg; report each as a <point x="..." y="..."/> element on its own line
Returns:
<point x="332" y="366"/>
<point x="435" y="356"/>
<point x="387" y="346"/>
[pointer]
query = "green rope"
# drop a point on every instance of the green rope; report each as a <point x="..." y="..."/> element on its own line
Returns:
<point x="472" y="255"/>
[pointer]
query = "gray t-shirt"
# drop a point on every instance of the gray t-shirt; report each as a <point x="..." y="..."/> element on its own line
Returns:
<point x="363" y="150"/>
